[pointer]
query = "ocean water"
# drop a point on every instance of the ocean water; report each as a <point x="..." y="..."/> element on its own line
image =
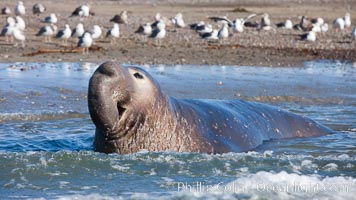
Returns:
<point x="46" y="136"/>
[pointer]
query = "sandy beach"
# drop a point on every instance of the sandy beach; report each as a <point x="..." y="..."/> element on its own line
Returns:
<point x="276" y="47"/>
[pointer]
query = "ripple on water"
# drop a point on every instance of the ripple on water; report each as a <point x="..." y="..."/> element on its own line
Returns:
<point x="46" y="137"/>
<point x="67" y="174"/>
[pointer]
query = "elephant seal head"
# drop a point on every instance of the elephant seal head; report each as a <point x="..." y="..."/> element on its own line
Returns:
<point x="119" y="97"/>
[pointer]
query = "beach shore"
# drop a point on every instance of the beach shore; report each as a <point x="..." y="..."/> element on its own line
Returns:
<point x="276" y="47"/>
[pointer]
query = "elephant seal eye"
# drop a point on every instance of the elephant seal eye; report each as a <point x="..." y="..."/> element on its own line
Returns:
<point x="138" y="76"/>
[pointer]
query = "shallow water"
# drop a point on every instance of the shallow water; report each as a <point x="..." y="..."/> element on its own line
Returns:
<point x="46" y="137"/>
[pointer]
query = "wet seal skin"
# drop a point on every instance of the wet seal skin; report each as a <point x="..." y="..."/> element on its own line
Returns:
<point x="132" y="113"/>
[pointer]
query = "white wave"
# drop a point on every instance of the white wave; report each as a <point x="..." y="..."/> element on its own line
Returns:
<point x="93" y="196"/>
<point x="121" y="168"/>
<point x="331" y="167"/>
<point x="57" y="115"/>
<point x="261" y="185"/>
<point x="268" y="185"/>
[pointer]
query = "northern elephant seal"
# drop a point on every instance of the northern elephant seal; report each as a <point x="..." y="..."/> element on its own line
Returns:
<point x="131" y="113"/>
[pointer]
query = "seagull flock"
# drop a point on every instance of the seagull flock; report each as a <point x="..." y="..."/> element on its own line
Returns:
<point x="15" y="26"/>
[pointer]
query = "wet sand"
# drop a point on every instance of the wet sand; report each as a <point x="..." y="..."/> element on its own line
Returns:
<point x="277" y="47"/>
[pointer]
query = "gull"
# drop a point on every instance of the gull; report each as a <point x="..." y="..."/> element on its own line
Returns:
<point x="316" y="28"/>
<point x="223" y="32"/>
<point x="206" y="29"/>
<point x="82" y="11"/>
<point x="353" y="34"/>
<point x="288" y="24"/>
<point x="223" y="19"/>
<point x="237" y="25"/>
<point x="347" y="20"/>
<point x="47" y="31"/>
<point x="178" y="20"/>
<point x="78" y="31"/>
<point x="6" y="11"/>
<point x="159" y="32"/>
<point x="265" y="22"/>
<point x="20" y="9"/>
<point x="18" y="35"/>
<point x="38" y="8"/>
<point x="304" y="25"/>
<point x="158" y="18"/>
<point x="51" y="19"/>
<point x="197" y="26"/>
<point x="8" y="30"/>
<point x="96" y="32"/>
<point x="324" y="27"/>
<point x="120" y="18"/>
<point x="229" y="22"/>
<point x="251" y="24"/>
<point x="339" y="23"/>
<point x="85" y="41"/>
<point x="201" y="27"/>
<point x="310" y="36"/>
<point x="318" y="25"/>
<point x="145" y="30"/>
<point x="20" y="23"/>
<point x="113" y="33"/>
<point x="64" y="34"/>
<point x="318" y="21"/>
<point x="10" y="20"/>
<point x="213" y="35"/>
